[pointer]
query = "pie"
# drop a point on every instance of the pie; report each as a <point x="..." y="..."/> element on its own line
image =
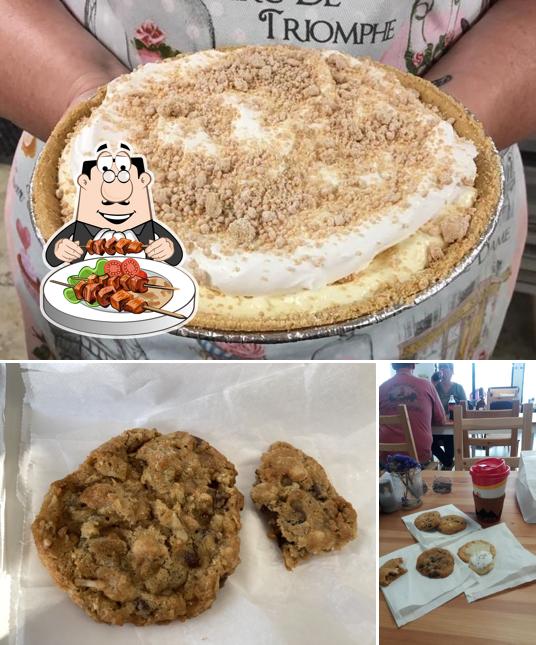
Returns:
<point x="145" y="530"/>
<point x="308" y="187"/>
<point x="305" y="513"/>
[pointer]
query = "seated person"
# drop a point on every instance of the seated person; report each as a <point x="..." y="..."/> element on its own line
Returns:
<point x="478" y="399"/>
<point x="423" y="405"/>
<point x="446" y="387"/>
<point x="443" y="446"/>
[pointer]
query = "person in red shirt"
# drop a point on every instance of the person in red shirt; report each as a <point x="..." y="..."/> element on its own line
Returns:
<point x="423" y="405"/>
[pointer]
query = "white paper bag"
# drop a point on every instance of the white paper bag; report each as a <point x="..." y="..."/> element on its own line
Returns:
<point x="526" y="485"/>
<point x="413" y="595"/>
<point x="514" y="565"/>
<point x="5" y="582"/>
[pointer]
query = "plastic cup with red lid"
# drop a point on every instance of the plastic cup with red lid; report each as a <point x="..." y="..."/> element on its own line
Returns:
<point x="489" y="478"/>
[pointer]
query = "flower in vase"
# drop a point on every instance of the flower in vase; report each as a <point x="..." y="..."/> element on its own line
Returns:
<point x="401" y="463"/>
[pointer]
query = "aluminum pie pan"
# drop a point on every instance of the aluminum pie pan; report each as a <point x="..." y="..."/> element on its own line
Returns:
<point x="334" y="329"/>
<point x="347" y="326"/>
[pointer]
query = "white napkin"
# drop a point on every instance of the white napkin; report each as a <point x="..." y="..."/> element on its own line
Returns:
<point x="414" y="595"/>
<point x="435" y="538"/>
<point x="514" y="565"/>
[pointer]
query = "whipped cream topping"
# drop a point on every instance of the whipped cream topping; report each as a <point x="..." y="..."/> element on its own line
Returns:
<point x="313" y="266"/>
<point x="481" y="560"/>
<point x="106" y="124"/>
<point x="305" y="249"/>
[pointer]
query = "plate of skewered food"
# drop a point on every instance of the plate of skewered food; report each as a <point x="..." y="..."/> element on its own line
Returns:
<point x="119" y="298"/>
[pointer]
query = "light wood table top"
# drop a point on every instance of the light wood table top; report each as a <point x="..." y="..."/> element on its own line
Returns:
<point x="448" y="430"/>
<point x="506" y="617"/>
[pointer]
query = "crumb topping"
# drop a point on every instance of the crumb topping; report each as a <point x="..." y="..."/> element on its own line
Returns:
<point x="263" y="148"/>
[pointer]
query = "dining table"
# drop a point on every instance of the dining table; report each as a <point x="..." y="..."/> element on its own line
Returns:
<point x="505" y="617"/>
<point x="447" y="429"/>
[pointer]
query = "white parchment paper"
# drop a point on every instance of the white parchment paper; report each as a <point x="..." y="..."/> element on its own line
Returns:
<point x="2" y="457"/>
<point x="5" y="581"/>
<point x="327" y="410"/>
<point x="435" y="538"/>
<point x="514" y="565"/>
<point x="413" y="595"/>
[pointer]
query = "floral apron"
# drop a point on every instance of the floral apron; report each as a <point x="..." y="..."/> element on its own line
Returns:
<point x="462" y="321"/>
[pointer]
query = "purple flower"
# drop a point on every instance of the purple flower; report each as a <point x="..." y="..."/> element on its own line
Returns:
<point x="401" y="463"/>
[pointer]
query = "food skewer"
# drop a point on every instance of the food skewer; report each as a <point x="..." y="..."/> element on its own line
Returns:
<point x="119" y="299"/>
<point x="114" y="245"/>
<point x="164" y="311"/>
<point x="124" y="281"/>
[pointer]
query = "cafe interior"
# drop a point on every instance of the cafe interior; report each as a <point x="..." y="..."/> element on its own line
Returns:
<point x="459" y="528"/>
<point x="493" y="390"/>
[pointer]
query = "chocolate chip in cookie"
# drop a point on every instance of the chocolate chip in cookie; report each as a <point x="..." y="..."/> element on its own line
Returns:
<point x="451" y="524"/>
<point x="305" y="513"/>
<point x="428" y="521"/>
<point x="435" y="563"/>
<point x="145" y="530"/>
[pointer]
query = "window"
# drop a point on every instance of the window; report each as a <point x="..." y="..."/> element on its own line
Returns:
<point x="529" y="382"/>
<point x="383" y="371"/>
<point x="493" y="374"/>
<point x="463" y="374"/>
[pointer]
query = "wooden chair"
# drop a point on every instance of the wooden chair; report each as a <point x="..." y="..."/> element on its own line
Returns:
<point x="483" y="421"/>
<point x="402" y="420"/>
<point x="491" y="414"/>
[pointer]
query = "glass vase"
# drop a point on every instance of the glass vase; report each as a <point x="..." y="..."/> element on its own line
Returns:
<point x="412" y="487"/>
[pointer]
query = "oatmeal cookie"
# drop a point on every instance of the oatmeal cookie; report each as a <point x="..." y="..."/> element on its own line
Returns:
<point x="145" y="530"/>
<point x="427" y="521"/>
<point x="305" y="513"/>
<point x="391" y="570"/>
<point x="451" y="524"/>
<point x="435" y="563"/>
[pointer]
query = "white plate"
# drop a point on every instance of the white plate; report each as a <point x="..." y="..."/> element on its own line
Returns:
<point x="97" y="321"/>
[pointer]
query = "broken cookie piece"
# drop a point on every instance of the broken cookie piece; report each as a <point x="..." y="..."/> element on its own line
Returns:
<point x="391" y="570"/>
<point x="305" y="513"/>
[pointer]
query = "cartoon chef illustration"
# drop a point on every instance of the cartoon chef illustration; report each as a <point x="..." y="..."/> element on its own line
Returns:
<point x="114" y="206"/>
